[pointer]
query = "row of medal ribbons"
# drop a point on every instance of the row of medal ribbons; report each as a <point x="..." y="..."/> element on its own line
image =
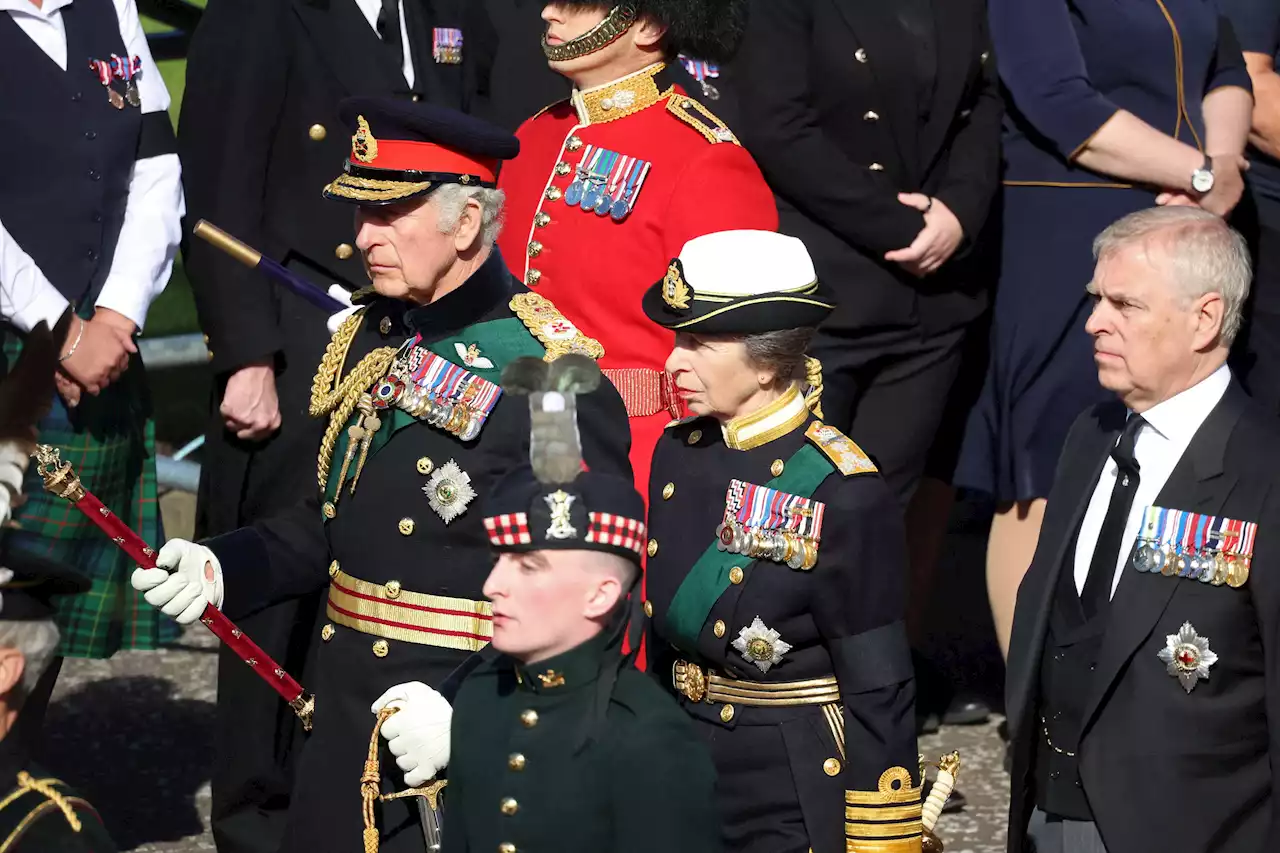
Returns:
<point x="764" y="523"/>
<point x="607" y="183"/>
<point x="1210" y="549"/>
<point x="438" y="391"/>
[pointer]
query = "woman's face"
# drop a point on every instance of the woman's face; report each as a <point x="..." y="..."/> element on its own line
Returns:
<point x="714" y="376"/>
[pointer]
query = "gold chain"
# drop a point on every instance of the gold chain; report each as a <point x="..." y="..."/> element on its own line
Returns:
<point x="338" y="399"/>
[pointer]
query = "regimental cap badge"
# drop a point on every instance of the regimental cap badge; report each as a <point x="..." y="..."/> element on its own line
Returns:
<point x="364" y="146"/>
<point x="1187" y="656"/>
<point x="560" y="502"/>
<point x="761" y="645"/>
<point x="675" y="290"/>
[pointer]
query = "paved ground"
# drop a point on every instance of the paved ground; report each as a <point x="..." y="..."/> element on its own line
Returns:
<point x="133" y="733"/>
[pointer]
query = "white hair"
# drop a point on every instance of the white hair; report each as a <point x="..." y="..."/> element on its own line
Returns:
<point x="37" y="640"/>
<point x="1205" y="254"/>
<point x="451" y="200"/>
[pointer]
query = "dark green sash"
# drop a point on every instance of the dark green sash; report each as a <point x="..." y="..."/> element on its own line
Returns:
<point x="500" y="341"/>
<point x="709" y="577"/>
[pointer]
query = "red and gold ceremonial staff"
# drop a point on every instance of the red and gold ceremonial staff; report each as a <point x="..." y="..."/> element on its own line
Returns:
<point x="61" y="480"/>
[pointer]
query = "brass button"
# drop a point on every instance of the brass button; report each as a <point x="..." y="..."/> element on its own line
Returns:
<point x="425" y="466"/>
<point x="777" y="467"/>
<point x="648" y="609"/>
<point x="206" y="340"/>
<point x="831" y="767"/>
<point x="653" y="547"/>
<point x="384" y="326"/>
<point x="529" y="718"/>
<point x="333" y="569"/>
<point x="573" y="144"/>
<point x="718" y="628"/>
<point x="329" y="510"/>
<point x="516" y="762"/>
<point x="860" y="55"/>
<point x="393" y="589"/>
<point x="416" y="97"/>
<point x="986" y="54"/>
<point x="695" y="437"/>
<point x="533" y="277"/>
<point x="210" y="356"/>
<point x="406" y="526"/>
<point x="542" y="220"/>
<point x="506" y="847"/>
<point x="735" y="575"/>
<point x="876" y="167"/>
<point x="381" y="649"/>
<point x="343" y="251"/>
<point x="509" y="806"/>
<point x="327" y="632"/>
<point x="535" y="248"/>
<point x="563" y="168"/>
<point x="317" y="132"/>
<point x="871" y="115"/>
<point x="668" y="490"/>
<point x="726" y="713"/>
<point x="554" y="193"/>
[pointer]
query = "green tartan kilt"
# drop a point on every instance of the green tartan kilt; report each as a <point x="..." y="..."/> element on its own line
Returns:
<point x="110" y="442"/>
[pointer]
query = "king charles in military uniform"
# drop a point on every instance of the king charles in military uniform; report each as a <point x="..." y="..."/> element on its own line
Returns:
<point x="777" y="565"/>
<point x="611" y="183"/>
<point x="418" y="429"/>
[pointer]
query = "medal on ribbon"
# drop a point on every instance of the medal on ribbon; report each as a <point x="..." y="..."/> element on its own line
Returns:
<point x="1204" y="548"/>
<point x="703" y="72"/>
<point x="768" y="524"/>
<point x="573" y="195"/>
<point x="437" y="391"/>
<point x="103" y="70"/>
<point x="446" y="46"/>
<point x="125" y="69"/>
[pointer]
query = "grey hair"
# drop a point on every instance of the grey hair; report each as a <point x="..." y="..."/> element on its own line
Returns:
<point x="37" y="640"/>
<point x="451" y="200"/>
<point x="781" y="352"/>
<point x="1205" y="254"/>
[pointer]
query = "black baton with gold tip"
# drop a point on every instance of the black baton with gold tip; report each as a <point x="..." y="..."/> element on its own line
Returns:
<point x="252" y="258"/>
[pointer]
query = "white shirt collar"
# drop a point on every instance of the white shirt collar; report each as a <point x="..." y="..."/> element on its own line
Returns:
<point x="1178" y="418"/>
<point x="26" y="7"/>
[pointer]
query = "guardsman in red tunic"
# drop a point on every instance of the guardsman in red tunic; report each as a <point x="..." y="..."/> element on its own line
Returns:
<point x="611" y="184"/>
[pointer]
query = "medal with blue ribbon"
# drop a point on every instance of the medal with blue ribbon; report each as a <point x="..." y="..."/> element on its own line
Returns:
<point x="1205" y="548"/>
<point x="761" y="522"/>
<point x="438" y="391"/>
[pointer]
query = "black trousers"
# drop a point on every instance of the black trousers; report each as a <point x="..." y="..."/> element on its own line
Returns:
<point x="889" y="391"/>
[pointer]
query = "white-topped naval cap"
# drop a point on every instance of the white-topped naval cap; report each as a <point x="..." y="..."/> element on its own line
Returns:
<point x="746" y="263"/>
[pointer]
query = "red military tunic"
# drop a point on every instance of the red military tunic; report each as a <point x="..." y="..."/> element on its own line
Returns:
<point x="594" y="267"/>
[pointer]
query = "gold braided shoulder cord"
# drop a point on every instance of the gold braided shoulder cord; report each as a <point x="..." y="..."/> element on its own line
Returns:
<point x="53" y="799"/>
<point x="338" y="399"/>
<point x="813" y="377"/>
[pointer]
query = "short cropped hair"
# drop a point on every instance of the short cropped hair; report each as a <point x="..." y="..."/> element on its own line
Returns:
<point x="37" y="640"/>
<point x="451" y="200"/>
<point x="781" y="352"/>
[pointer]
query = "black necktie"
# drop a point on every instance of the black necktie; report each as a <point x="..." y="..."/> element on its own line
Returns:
<point x="1102" y="568"/>
<point x="389" y="29"/>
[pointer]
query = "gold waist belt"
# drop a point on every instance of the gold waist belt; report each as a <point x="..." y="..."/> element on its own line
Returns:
<point x="387" y="610"/>
<point x="699" y="685"/>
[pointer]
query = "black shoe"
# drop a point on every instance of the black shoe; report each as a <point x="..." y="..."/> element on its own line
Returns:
<point x="927" y="724"/>
<point x="966" y="712"/>
<point x="1003" y="730"/>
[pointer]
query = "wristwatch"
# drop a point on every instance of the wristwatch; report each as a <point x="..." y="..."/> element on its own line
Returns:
<point x="1202" y="178"/>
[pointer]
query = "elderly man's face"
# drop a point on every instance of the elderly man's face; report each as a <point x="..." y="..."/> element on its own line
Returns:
<point x="1149" y="337"/>
<point x="405" y="253"/>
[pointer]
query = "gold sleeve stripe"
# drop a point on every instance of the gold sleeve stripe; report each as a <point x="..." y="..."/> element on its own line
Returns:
<point x="882" y="813"/>
<point x="890" y="845"/>
<point x="883" y="830"/>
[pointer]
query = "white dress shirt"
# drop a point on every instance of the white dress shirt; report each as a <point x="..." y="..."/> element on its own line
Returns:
<point x="1161" y="441"/>
<point x="373" y="8"/>
<point x="152" y="221"/>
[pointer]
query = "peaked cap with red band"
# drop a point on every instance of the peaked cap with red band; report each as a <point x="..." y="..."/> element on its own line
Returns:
<point x="402" y="150"/>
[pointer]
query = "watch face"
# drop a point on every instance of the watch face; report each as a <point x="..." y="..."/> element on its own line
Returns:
<point x="1202" y="180"/>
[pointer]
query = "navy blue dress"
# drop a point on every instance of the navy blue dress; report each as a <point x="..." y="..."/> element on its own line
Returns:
<point x="1067" y="66"/>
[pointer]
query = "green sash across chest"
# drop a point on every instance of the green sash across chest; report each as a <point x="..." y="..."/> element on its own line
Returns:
<point x="709" y="577"/>
<point x="500" y="341"/>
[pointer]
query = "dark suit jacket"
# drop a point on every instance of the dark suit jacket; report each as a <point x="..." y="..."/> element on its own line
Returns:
<point x="260" y="137"/>
<point x="1164" y="769"/>
<point x="828" y="107"/>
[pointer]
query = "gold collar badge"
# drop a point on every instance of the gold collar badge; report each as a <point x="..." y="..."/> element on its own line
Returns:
<point x="675" y="292"/>
<point x="364" y="146"/>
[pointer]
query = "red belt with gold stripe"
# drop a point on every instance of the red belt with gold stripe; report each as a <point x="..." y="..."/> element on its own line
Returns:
<point x="644" y="391"/>
<point x="387" y="610"/>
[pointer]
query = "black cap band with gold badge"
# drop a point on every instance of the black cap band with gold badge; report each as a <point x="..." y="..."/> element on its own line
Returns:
<point x="28" y="582"/>
<point x="402" y="150"/>
<point x="739" y="283"/>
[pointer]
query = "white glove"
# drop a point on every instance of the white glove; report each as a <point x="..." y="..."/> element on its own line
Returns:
<point x="418" y="736"/>
<point x="13" y="468"/>
<point x="343" y="295"/>
<point x="188" y="578"/>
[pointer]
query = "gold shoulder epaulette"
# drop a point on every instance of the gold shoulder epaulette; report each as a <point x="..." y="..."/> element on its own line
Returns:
<point x="847" y="456"/>
<point x="53" y="799"/>
<point x="555" y="331"/>
<point x="701" y="119"/>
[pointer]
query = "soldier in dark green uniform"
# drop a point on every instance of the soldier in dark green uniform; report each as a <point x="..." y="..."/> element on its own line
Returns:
<point x="559" y="745"/>
<point x="38" y="813"/>
<point x="418" y="429"/>
<point x="777" y="564"/>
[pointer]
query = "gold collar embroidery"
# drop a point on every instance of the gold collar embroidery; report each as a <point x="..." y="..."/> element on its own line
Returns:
<point x="620" y="98"/>
<point x="782" y="416"/>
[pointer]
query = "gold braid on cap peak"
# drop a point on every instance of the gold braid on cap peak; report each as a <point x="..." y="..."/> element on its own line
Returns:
<point x="813" y="376"/>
